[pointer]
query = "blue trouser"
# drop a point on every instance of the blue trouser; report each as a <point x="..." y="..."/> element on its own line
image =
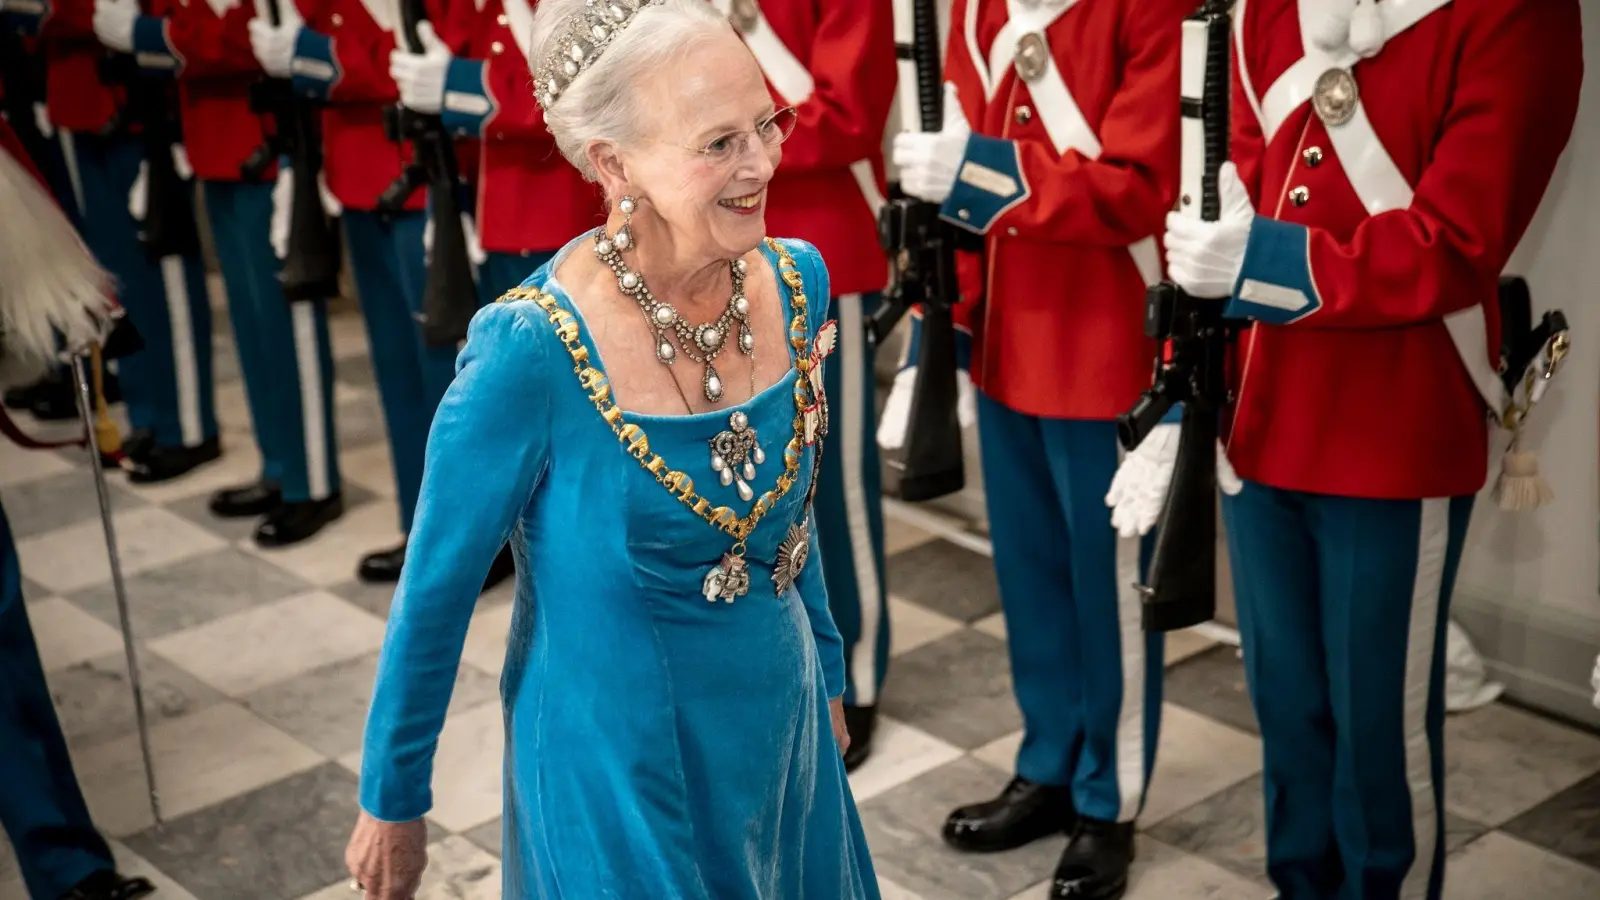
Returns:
<point x="284" y="350"/>
<point x="1343" y="611"/>
<point x="41" y="806"/>
<point x="167" y="386"/>
<point x="386" y="260"/>
<point x="1086" y="675"/>
<point x="503" y="271"/>
<point x="850" y="508"/>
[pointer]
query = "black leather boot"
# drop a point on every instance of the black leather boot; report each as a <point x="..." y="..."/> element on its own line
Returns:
<point x="166" y="463"/>
<point x="382" y="566"/>
<point x="503" y="567"/>
<point x="246" y="500"/>
<point x="1095" y="864"/>
<point x="291" y="523"/>
<point x="136" y="444"/>
<point x="108" y="885"/>
<point x="860" y="722"/>
<point x="1023" y="813"/>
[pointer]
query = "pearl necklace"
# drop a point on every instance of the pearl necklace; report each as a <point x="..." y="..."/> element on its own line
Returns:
<point x="700" y="343"/>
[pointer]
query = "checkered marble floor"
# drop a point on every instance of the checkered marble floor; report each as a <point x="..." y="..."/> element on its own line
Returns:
<point x="259" y="666"/>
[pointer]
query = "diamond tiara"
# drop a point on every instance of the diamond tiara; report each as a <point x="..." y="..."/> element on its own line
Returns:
<point x="579" y="45"/>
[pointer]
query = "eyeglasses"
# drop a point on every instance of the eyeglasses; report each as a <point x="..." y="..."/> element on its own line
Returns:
<point x="728" y="148"/>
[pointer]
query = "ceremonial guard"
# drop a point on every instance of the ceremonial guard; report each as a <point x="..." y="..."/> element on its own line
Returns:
<point x="833" y="63"/>
<point x="48" y="284"/>
<point x="339" y="54"/>
<point x="1067" y="167"/>
<point x="1389" y="158"/>
<point x="168" y="385"/>
<point x="284" y="352"/>
<point x="479" y="84"/>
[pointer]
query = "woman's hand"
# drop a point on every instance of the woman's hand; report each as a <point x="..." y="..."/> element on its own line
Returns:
<point x="386" y="859"/>
<point x="841" y="734"/>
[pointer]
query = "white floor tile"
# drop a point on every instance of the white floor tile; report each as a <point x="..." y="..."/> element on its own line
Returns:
<point x="1499" y="867"/>
<point x="18" y="465"/>
<point x="135" y="866"/>
<point x="899" y="754"/>
<point x="331" y="557"/>
<point x="215" y="754"/>
<point x="67" y="635"/>
<point x="458" y="870"/>
<point x="485" y="647"/>
<point x="911" y="626"/>
<point x="369" y="467"/>
<point x="1001" y="753"/>
<point x="72" y="558"/>
<point x="1186" y="643"/>
<point x="888" y="890"/>
<point x="466" y="769"/>
<point x="899" y="535"/>
<point x="1501" y="762"/>
<point x="266" y="644"/>
<point x="1198" y="757"/>
<point x="993" y="625"/>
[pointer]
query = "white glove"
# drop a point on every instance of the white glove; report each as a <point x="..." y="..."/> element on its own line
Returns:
<point x="420" y="76"/>
<point x="929" y="160"/>
<point x="41" y="116"/>
<point x="139" y="193"/>
<point x="1139" y="489"/>
<point x="897" y="410"/>
<point x="330" y="204"/>
<point x="274" y="45"/>
<point x="113" y="23"/>
<point x="282" y="203"/>
<point x="1204" y="258"/>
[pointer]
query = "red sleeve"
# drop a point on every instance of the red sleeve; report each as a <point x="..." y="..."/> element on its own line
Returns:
<point x="211" y="46"/>
<point x="359" y="55"/>
<point x="68" y="19"/>
<point x="1518" y="75"/>
<point x="1246" y="145"/>
<point x="854" y="71"/>
<point x="1123" y="195"/>
<point x="516" y="115"/>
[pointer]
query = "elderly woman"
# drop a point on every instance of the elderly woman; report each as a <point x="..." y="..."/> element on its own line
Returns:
<point x="641" y="420"/>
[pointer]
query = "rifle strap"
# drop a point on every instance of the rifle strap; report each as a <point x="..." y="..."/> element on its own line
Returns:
<point x="12" y="430"/>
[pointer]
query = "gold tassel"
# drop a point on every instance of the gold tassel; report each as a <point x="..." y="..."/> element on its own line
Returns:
<point x="1520" y="486"/>
<point x="106" y="435"/>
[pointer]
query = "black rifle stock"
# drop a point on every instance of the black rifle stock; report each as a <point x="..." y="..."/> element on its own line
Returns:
<point x="23" y="75"/>
<point x="1179" y="588"/>
<point x="921" y="250"/>
<point x="311" y="267"/>
<point x="169" y="227"/>
<point x="449" y="297"/>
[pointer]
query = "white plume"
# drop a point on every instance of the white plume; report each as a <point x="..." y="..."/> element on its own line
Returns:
<point x="50" y="285"/>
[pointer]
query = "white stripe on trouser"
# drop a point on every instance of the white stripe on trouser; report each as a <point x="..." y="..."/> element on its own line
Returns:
<point x="848" y="417"/>
<point x="185" y="370"/>
<point x="69" y="155"/>
<point x="1130" y="719"/>
<point x="1432" y="542"/>
<point x="308" y="363"/>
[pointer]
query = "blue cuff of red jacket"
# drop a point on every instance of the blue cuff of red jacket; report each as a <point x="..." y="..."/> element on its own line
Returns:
<point x="151" y="49"/>
<point x="1275" y="284"/>
<point x="1174" y="415"/>
<point x="914" y="344"/>
<point x="989" y="183"/>
<point x="467" y="104"/>
<point x="314" y="70"/>
<point x="25" y="17"/>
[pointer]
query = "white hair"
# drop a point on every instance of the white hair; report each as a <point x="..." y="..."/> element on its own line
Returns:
<point x="601" y="104"/>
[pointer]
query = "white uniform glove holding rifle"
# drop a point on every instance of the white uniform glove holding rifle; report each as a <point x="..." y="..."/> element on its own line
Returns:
<point x="113" y="23"/>
<point x="1204" y="259"/>
<point x="274" y="45"/>
<point x="928" y="162"/>
<point x="420" y="76"/>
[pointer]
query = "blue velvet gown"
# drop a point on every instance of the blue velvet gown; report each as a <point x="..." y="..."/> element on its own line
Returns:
<point x="657" y="745"/>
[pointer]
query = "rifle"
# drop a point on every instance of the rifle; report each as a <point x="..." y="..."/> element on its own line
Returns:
<point x="449" y="299"/>
<point x="311" y="267"/>
<point x="1179" y="588"/>
<point x="921" y="250"/>
<point x="169" y="227"/>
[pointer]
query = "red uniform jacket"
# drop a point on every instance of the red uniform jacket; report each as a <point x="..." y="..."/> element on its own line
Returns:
<point x="209" y="51"/>
<point x="1372" y="267"/>
<point x="342" y="57"/>
<point x="75" y="97"/>
<point x="1069" y="176"/>
<point x="489" y="96"/>
<point x="833" y="61"/>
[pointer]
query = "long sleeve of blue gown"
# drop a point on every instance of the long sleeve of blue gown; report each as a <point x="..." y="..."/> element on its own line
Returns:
<point x="486" y="452"/>
<point x="813" y="591"/>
